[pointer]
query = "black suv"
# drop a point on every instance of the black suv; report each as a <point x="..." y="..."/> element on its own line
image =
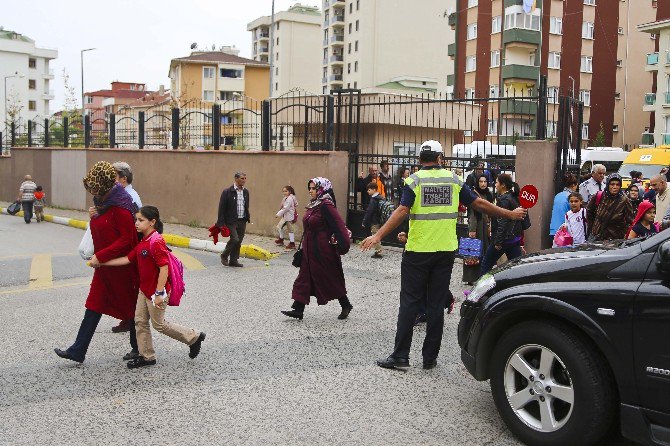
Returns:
<point x="576" y="341"/>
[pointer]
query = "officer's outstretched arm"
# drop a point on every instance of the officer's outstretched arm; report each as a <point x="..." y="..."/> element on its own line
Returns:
<point x="393" y="222"/>
<point x="491" y="209"/>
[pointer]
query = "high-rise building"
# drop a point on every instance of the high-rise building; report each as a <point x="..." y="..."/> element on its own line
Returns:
<point x="26" y="90"/>
<point x="657" y="98"/>
<point x="586" y="48"/>
<point x="296" y="46"/>
<point x="386" y="44"/>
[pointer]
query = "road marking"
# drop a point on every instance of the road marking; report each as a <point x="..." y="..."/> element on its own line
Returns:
<point x="41" y="275"/>
<point x="190" y="262"/>
<point x="29" y="256"/>
<point x="60" y="285"/>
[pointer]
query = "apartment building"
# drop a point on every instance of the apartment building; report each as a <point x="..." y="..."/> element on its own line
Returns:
<point x="218" y="76"/>
<point x="586" y="48"/>
<point x="296" y="44"/>
<point x="381" y="45"/>
<point x="27" y="75"/>
<point x="657" y="101"/>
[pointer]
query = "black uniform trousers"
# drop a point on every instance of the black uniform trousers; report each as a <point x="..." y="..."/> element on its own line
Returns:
<point x="423" y="275"/>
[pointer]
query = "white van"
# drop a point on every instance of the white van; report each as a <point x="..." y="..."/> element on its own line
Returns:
<point x="610" y="157"/>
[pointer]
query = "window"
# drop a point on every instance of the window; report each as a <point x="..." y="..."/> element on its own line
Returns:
<point x="587" y="64"/>
<point x="32" y="63"/>
<point x="551" y="129"/>
<point x="207" y="95"/>
<point x="356" y="67"/>
<point x="32" y="105"/>
<point x="276" y="71"/>
<point x="350" y="25"/>
<point x="495" y="58"/>
<point x="89" y="100"/>
<point x="351" y="8"/>
<point x="523" y="21"/>
<point x="496" y="24"/>
<point x="356" y="25"/>
<point x="619" y="63"/>
<point x="652" y="36"/>
<point x="208" y="72"/>
<point x="556" y="25"/>
<point x="355" y="84"/>
<point x="615" y="128"/>
<point x="587" y="30"/>
<point x="585" y="130"/>
<point x="349" y="47"/>
<point x="276" y="86"/>
<point x="585" y="97"/>
<point x="348" y="68"/>
<point x="554" y="60"/>
<point x="226" y="72"/>
<point x="620" y="31"/>
<point x="494" y="91"/>
<point x="469" y="93"/>
<point x="590" y="2"/>
<point x="472" y="3"/>
<point x="32" y="84"/>
<point x="472" y="31"/>
<point x="617" y="95"/>
<point x="356" y="46"/>
<point x="492" y="127"/>
<point x="358" y="4"/>
<point x="552" y="95"/>
<point x="277" y="26"/>
<point x="470" y="63"/>
<point x="277" y="40"/>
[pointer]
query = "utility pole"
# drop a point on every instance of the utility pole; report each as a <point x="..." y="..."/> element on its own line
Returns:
<point x="272" y="47"/>
<point x="82" y="78"/>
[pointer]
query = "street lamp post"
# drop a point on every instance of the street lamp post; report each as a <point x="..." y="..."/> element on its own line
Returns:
<point x="17" y="75"/>
<point x="82" y="78"/>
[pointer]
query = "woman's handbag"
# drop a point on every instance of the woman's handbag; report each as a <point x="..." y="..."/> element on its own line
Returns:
<point x="297" y="256"/>
<point x="14" y="208"/>
<point x="86" y="249"/>
<point x="562" y="238"/>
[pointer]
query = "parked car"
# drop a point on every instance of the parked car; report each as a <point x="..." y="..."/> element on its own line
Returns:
<point x="576" y="341"/>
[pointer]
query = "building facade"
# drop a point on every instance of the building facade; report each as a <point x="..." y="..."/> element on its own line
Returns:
<point x="372" y="43"/>
<point x="26" y="73"/>
<point x="586" y="48"/>
<point x="296" y="45"/>
<point x="657" y="100"/>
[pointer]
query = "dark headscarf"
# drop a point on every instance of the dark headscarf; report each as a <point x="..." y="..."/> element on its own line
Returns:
<point x="486" y="192"/>
<point x="614" y="177"/>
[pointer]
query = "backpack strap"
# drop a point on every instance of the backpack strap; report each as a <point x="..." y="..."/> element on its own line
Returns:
<point x="599" y="197"/>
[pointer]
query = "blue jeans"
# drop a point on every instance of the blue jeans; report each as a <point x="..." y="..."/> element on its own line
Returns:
<point x="27" y="210"/>
<point x="85" y="335"/>
<point x="511" y="250"/>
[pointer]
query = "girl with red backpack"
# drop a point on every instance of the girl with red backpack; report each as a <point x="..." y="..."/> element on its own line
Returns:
<point x="161" y="283"/>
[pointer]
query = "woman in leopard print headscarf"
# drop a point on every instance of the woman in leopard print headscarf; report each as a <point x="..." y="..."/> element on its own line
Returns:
<point x="113" y="290"/>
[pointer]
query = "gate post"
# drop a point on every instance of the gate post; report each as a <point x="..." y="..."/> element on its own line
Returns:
<point x="216" y="126"/>
<point x="87" y="131"/>
<point x="175" y="128"/>
<point x="112" y="130"/>
<point x="46" y="132"/>
<point x="30" y="133"/>
<point x="140" y="122"/>
<point x="66" y="132"/>
<point x="330" y="117"/>
<point x="266" y="126"/>
<point x="541" y="118"/>
<point x="13" y="134"/>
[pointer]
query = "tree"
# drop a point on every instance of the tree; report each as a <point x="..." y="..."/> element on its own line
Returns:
<point x="599" y="140"/>
<point x="14" y="107"/>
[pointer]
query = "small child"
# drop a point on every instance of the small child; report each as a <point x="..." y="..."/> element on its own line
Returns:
<point x="373" y="216"/>
<point x="575" y="219"/>
<point x="288" y="216"/>
<point x="39" y="204"/>
<point x="643" y="225"/>
<point x="152" y="263"/>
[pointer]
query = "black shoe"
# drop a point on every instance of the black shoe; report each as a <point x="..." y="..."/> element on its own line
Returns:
<point x="123" y="326"/>
<point x="235" y="264"/>
<point x="293" y="313"/>
<point x="420" y="319"/>
<point x="133" y="354"/>
<point x="195" y="347"/>
<point x="431" y="364"/>
<point x="224" y="260"/>
<point x="376" y="256"/>
<point x="140" y="362"/>
<point x="345" y="313"/>
<point x="65" y="355"/>
<point x="393" y="363"/>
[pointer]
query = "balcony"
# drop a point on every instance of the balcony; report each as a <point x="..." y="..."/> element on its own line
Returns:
<point x="509" y="3"/>
<point x="337" y="39"/>
<point x="666" y="139"/>
<point x="337" y="59"/>
<point x="337" y="3"/>
<point x="324" y="80"/>
<point x="335" y="78"/>
<point x="652" y="62"/>
<point x="337" y="20"/>
<point x="521" y="72"/>
<point x="264" y="36"/>
<point x="667" y="100"/>
<point x="649" y="102"/>
<point x="263" y="50"/>
<point x="647" y="139"/>
<point x="48" y="95"/>
<point x="325" y="42"/>
<point x="49" y="74"/>
<point x="521" y="37"/>
<point x="325" y="61"/>
<point x="451" y="50"/>
<point x="518" y="107"/>
<point x="453" y="18"/>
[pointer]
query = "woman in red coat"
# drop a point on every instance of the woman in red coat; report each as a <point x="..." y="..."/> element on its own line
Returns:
<point x="113" y="290"/>
<point x="325" y="239"/>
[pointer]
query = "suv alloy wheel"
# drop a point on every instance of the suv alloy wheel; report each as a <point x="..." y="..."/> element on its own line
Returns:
<point x="550" y="387"/>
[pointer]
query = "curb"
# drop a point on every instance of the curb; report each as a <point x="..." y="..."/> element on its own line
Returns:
<point x="248" y="251"/>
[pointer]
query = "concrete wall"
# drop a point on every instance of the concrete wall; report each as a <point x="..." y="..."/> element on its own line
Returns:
<point x="536" y="164"/>
<point x="184" y="185"/>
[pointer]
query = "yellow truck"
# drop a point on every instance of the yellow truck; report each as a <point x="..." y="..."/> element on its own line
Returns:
<point x="648" y="161"/>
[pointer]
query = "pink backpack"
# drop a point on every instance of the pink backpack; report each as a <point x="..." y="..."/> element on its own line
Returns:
<point x="175" y="274"/>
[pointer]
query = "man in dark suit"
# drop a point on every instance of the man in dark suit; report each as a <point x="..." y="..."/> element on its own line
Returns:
<point x="234" y="213"/>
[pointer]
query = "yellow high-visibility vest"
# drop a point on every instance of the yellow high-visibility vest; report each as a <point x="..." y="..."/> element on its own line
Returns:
<point x="433" y="216"/>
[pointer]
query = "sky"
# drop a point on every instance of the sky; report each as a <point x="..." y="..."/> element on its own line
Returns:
<point x="134" y="40"/>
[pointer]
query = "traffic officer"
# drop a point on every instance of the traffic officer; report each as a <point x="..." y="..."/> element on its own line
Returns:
<point x="430" y="198"/>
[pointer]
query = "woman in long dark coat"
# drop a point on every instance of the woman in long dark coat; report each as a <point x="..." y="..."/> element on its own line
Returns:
<point x="479" y="226"/>
<point x="113" y="290"/>
<point x="325" y="239"/>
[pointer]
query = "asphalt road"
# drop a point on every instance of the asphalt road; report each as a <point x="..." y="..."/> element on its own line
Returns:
<point x="260" y="379"/>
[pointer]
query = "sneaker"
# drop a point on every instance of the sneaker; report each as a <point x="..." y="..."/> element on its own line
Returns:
<point x="280" y="241"/>
<point x="376" y="256"/>
<point x="195" y="347"/>
<point x="140" y="362"/>
<point x="290" y="246"/>
<point x="393" y="363"/>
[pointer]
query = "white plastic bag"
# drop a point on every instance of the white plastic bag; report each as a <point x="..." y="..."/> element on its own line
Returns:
<point x="86" y="249"/>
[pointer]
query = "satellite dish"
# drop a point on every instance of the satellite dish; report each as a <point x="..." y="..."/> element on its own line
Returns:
<point x="194" y="45"/>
